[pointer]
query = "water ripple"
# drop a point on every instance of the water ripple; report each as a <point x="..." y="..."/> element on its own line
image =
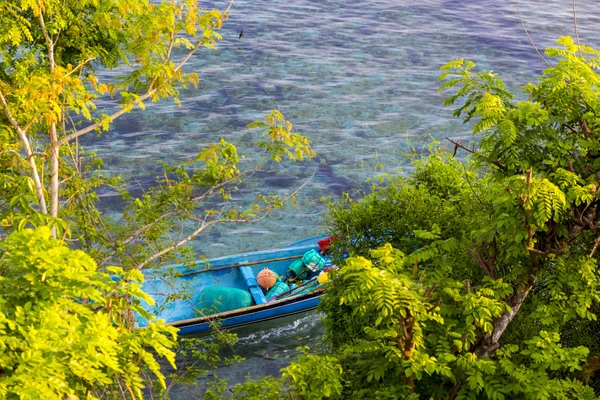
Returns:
<point x="358" y="78"/>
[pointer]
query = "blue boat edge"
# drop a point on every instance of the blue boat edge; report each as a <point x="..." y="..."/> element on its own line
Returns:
<point x="250" y="315"/>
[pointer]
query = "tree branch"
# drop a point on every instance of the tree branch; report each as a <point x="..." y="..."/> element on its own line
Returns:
<point x="458" y="144"/>
<point x="49" y="41"/>
<point x="151" y="91"/>
<point x="135" y="235"/>
<point x="488" y="268"/>
<point x="203" y="225"/>
<point x="143" y="229"/>
<point x="80" y="65"/>
<point x="575" y="25"/>
<point x="95" y="126"/>
<point x="529" y="37"/>
<point x="54" y="146"/>
<point x="593" y="250"/>
<point x="570" y="128"/>
<point x="54" y="164"/>
<point x="39" y="189"/>
<point x="491" y="342"/>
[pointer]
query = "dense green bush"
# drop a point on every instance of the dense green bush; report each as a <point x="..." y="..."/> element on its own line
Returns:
<point x="65" y="327"/>
<point x="441" y="194"/>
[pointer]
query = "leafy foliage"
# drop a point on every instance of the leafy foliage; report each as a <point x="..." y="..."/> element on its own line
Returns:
<point x="480" y="280"/>
<point x="310" y="377"/>
<point x="268" y="388"/>
<point x="315" y="377"/>
<point x="52" y="54"/>
<point x="65" y="327"/>
<point x="426" y="329"/>
<point x="95" y="34"/>
<point x="197" y="362"/>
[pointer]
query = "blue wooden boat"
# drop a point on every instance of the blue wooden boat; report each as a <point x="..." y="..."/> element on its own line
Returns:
<point x="236" y="271"/>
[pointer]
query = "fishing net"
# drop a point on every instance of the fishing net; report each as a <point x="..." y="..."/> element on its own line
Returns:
<point x="279" y="288"/>
<point x="313" y="260"/>
<point x="310" y="263"/>
<point x="216" y="299"/>
<point x="295" y="268"/>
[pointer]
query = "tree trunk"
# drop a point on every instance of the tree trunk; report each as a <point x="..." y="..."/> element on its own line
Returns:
<point x="487" y="346"/>
<point x="491" y="342"/>
<point x="54" y="163"/>
<point x="53" y="139"/>
<point x="39" y="190"/>
<point x="591" y="366"/>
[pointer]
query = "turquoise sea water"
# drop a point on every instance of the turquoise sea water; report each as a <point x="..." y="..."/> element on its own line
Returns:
<point x="357" y="77"/>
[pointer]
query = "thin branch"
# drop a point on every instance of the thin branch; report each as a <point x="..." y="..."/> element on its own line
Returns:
<point x="81" y="65"/>
<point x="145" y="96"/>
<point x="536" y="251"/>
<point x="121" y="388"/>
<point x="547" y="252"/>
<point x="203" y="196"/>
<point x="488" y="269"/>
<point x="26" y="127"/>
<point x="596" y="243"/>
<point x="33" y="153"/>
<point x="529" y="37"/>
<point x="570" y="128"/>
<point x="73" y="156"/>
<point x="122" y="111"/>
<point x="459" y="145"/>
<point x="95" y="126"/>
<point x="49" y="41"/>
<point x="39" y="190"/>
<point x="171" y="41"/>
<point x="199" y="43"/>
<point x="54" y="165"/>
<point x="134" y="236"/>
<point x="203" y="225"/>
<point x="430" y="290"/>
<point x="226" y="12"/>
<point x="225" y="183"/>
<point x="575" y="25"/>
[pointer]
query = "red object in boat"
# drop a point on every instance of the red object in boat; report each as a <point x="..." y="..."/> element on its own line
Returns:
<point x="325" y="243"/>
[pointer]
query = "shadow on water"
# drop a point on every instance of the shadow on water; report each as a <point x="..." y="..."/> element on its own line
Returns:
<point x="336" y="184"/>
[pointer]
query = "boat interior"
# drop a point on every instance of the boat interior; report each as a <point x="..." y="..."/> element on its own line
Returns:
<point x="176" y="289"/>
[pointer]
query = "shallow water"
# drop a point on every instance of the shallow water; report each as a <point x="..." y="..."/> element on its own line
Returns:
<point x="357" y="77"/>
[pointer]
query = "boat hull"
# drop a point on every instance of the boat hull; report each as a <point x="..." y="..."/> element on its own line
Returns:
<point x="250" y="315"/>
